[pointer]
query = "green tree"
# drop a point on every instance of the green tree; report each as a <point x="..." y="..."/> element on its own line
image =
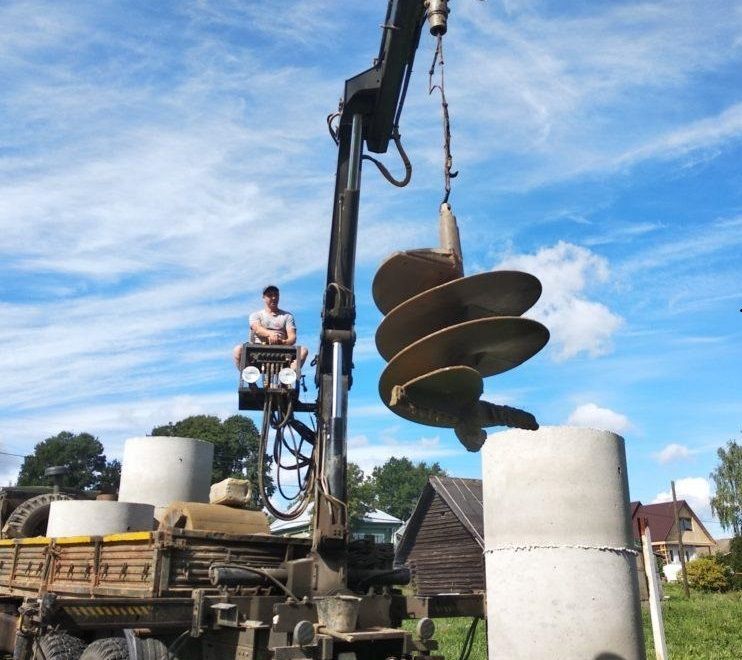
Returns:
<point x="733" y="560"/>
<point x="727" y="477"/>
<point x="360" y="493"/>
<point x="82" y="453"/>
<point x="398" y="484"/>
<point x="236" y="447"/>
<point x="110" y="477"/>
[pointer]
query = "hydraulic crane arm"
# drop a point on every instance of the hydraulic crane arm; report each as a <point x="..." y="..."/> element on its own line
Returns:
<point x="369" y="114"/>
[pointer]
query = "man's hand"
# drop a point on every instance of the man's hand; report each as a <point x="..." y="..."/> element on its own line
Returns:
<point x="274" y="337"/>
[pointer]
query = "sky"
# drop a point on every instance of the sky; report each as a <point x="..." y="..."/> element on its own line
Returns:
<point x="160" y="163"/>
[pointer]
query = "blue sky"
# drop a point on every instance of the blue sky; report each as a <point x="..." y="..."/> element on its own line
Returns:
<point x="161" y="162"/>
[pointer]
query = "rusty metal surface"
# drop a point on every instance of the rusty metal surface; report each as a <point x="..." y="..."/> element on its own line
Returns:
<point x="406" y="274"/>
<point x="496" y="293"/>
<point x="438" y="398"/>
<point x="490" y="346"/>
<point x="28" y="566"/>
<point x="153" y="613"/>
<point x="147" y="565"/>
<point x="435" y="607"/>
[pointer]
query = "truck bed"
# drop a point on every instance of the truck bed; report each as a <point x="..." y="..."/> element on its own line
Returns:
<point x="137" y="564"/>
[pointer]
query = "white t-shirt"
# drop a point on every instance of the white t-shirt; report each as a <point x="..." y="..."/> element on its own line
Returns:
<point x="280" y="322"/>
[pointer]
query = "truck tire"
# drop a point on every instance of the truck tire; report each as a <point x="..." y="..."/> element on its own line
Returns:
<point x="150" y="648"/>
<point x="108" y="648"/>
<point x="59" y="646"/>
<point x="30" y="517"/>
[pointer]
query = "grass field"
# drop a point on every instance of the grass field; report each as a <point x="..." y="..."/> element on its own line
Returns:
<point x="706" y="627"/>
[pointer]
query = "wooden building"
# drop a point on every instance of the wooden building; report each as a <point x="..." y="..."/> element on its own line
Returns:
<point x="443" y="541"/>
<point x="660" y="517"/>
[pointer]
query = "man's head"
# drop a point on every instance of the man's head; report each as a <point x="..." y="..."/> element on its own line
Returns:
<point x="270" y="297"/>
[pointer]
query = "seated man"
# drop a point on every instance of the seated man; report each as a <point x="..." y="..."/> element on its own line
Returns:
<point x="271" y="325"/>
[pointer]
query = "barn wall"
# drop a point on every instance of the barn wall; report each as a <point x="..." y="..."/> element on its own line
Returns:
<point x="444" y="557"/>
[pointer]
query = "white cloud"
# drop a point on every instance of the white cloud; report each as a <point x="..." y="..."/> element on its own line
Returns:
<point x="576" y="323"/>
<point x="696" y="491"/>
<point x="673" y="452"/>
<point x="593" y="416"/>
<point x="580" y="92"/>
<point x="699" y="134"/>
<point x="114" y="421"/>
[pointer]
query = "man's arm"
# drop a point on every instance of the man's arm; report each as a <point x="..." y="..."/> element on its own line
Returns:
<point x="271" y="336"/>
<point x="290" y="331"/>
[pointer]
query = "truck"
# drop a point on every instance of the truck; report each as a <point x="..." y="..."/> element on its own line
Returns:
<point x="187" y="590"/>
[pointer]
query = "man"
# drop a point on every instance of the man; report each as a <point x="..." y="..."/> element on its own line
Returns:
<point x="271" y="325"/>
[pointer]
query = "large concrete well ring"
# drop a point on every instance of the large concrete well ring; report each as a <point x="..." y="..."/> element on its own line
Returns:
<point x="559" y="553"/>
<point x="98" y="518"/>
<point x="159" y="470"/>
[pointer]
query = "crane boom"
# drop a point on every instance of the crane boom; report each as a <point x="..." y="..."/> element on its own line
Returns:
<point x="369" y="113"/>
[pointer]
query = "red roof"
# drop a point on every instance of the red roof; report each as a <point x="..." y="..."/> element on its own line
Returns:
<point x="660" y="518"/>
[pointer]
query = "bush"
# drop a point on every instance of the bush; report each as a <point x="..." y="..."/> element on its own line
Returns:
<point x="707" y="574"/>
<point x="733" y="559"/>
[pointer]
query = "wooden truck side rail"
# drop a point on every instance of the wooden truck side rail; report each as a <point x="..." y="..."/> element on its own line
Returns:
<point x="135" y="565"/>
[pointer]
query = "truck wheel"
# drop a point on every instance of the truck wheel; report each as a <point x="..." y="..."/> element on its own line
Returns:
<point x="108" y="648"/>
<point x="30" y="517"/>
<point x="59" y="646"/>
<point x="150" y="648"/>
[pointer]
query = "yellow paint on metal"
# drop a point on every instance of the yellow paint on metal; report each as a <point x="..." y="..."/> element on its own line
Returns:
<point x="128" y="536"/>
<point x="34" y="540"/>
<point x="73" y="540"/>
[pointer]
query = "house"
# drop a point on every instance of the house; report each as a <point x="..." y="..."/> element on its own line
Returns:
<point x="660" y="518"/>
<point x="378" y="525"/>
<point x="443" y="541"/>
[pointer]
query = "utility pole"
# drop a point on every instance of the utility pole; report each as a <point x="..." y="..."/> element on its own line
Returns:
<point x="680" y="541"/>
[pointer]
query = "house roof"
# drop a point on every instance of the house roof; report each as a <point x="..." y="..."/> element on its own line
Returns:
<point x="660" y="518"/>
<point x="305" y="519"/>
<point x="462" y="496"/>
<point x="376" y="516"/>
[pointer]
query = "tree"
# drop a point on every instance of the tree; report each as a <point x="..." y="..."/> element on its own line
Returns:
<point x="727" y="502"/>
<point x="398" y="484"/>
<point x="110" y="477"/>
<point x="733" y="560"/>
<point x="82" y="453"/>
<point x="236" y="447"/>
<point x="360" y="493"/>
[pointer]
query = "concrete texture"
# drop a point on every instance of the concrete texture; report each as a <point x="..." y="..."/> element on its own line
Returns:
<point x="98" y="518"/>
<point x="561" y="571"/>
<point x="161" y="470"/>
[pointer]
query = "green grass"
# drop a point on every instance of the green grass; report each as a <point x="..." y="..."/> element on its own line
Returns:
<point x="450" y="634"/>
<point x="706" y="627"/>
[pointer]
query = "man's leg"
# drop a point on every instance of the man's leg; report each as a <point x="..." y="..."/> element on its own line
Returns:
<point x="237" y="355"/>
<point x="303" y="352"/>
